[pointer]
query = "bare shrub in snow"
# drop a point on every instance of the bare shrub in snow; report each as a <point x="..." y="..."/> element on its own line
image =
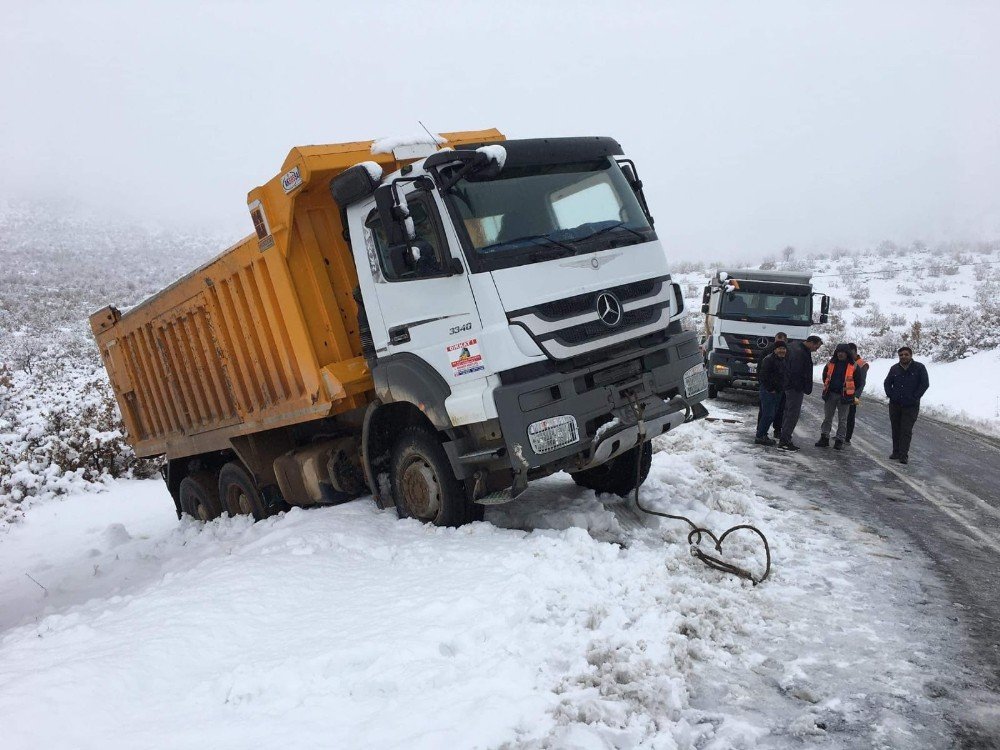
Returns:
<point x="897" y="319"/>
<point x="768" y="264"/>
<point x="963" y="333"/>
<point x="946" y="308"/>
<point x="873" y="319"/>
<point x="988" y="293"/>
<point x="860" y="293"/>
<point x="904" y="291"/>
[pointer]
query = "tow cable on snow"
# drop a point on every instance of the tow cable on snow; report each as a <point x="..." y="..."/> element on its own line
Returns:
<point x="694" y="536"/>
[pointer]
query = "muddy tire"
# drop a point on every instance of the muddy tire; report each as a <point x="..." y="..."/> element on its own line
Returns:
<point x="617" y="476"/>
<point x="423" y="484"/>
<point x="199" y="496"/>
<point x="239" y="493"/>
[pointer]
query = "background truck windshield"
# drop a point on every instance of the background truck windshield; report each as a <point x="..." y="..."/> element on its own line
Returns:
<point x="550" y="207"/>
<point x="766" y="305"/>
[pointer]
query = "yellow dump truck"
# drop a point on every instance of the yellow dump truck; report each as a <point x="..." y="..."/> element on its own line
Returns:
<point x="435" y="323"/>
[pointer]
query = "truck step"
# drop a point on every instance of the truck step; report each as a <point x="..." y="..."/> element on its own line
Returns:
<point x="496" y="498"/>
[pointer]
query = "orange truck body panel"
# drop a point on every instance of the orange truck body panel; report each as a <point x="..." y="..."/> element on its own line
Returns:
<point x="263" y="336"/>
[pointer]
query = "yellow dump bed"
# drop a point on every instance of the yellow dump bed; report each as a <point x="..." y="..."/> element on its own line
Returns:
<point x="263" y="336"/>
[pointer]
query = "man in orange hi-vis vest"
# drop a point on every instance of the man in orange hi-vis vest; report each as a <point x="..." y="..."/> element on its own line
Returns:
<point x="841" y="379"/>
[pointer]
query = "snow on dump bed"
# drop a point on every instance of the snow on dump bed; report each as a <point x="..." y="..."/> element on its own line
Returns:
<point x="562" y="622"/>
<point x="388" y="144"/>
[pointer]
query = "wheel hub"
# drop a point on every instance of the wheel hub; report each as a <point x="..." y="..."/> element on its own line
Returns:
<point x="421" y="490"/>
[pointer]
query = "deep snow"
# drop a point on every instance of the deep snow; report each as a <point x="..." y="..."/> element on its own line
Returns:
<point x="561" y="622"/>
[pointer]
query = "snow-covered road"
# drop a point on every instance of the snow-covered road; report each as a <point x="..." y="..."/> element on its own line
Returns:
<point x="561" y="622"/>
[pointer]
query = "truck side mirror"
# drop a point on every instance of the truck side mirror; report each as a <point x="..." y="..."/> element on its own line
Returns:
<point x="628" y="169"/>
<point x="824" y="309"/>
<point x="395" y="231"/>
<point x="706" y="297"/>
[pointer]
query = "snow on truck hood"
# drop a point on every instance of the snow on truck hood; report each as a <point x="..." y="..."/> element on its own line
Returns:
<point x="524" y="286"/>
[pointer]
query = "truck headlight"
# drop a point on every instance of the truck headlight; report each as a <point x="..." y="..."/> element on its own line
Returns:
<point x="552" y="433"/>
<point x="696" y="380"/>
<point x="720" y="369"/>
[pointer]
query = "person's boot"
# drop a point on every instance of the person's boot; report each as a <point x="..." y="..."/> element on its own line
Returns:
<point x="838" y="445"/>
<point x="764" y="441"/>
<point x="789" y="446"/>
<point x="904" y="459"/>
<point x="894" y="456"/>
<point x="823" y="442"/>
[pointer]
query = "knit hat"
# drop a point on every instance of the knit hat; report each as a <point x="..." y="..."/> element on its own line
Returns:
<point x="780" y="345"/>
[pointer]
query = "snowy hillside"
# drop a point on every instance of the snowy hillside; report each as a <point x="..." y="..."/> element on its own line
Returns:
<point x="944" y="302"/>
<point x="59" y="426"/>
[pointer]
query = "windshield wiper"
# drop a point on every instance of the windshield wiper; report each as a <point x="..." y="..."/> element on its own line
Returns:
<point x="616" y="225"/>
<point x="535" y="239"/>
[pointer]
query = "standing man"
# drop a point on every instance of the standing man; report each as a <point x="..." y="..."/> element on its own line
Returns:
<point x="772" y="376"/>
<point x="905" y="385"/>
<point x="839" y="386"/>
<point x="800" y="383"/>
<point x="780" y="411"/>
<point x="862" y="365"/>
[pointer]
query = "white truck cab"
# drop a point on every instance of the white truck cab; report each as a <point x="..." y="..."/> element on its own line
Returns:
<point x="744" y="310"/>
<point x="517" y="294"/>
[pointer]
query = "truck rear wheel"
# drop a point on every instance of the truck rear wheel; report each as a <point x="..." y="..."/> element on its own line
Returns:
<point x="617" y="476"/>
<point x="423" y="484"/>
<point x="239" y="493"/>
<point x="199" y="496"/>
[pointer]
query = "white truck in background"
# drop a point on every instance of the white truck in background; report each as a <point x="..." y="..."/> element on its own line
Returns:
<point x="744" y="309"/>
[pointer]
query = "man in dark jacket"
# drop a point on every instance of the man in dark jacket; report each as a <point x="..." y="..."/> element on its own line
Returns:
<point x="905" y="385"/>
<point x="841" y="380"/>
<point x="863" y="365"/>
<point x="799" y="384"/>
<point x="772" y="376"/>
<point x="780" y="411"/>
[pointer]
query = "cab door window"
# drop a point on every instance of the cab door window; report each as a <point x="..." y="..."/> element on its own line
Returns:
<point x="429" y="249"/>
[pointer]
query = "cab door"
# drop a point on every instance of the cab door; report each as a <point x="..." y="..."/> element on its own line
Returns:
<point x="426" y="306"/>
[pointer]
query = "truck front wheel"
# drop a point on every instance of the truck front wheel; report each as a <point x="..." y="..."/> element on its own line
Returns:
<point x="423" y="484"/>
<point x="617" y="476"/>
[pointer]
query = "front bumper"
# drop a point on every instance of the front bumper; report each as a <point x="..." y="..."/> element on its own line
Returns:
<point x="729" y="371"/>
<point x="600" y="396"/>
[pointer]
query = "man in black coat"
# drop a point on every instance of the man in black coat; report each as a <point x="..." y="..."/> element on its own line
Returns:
<point x="780" y="411"/>
<point x="772" y="376"/>
<point x="800" y="383"/>
<point x="905" y="385"/>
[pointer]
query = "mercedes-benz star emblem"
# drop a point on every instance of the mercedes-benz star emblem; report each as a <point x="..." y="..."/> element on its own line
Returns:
<point x="609" y="309"/>
<point x="761" y="342"/>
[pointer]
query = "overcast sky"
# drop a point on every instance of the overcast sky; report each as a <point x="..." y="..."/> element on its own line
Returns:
<point x="754" y="125"/>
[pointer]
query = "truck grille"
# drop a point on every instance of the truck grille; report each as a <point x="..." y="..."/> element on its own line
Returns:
<point x="747" y="347"/>
<point x="567" y="327"/>
<point x="584" y="303"/>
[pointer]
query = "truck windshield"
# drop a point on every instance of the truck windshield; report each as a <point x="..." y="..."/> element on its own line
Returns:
<point x="767" y="304"/>
<point x="542" y="211"/>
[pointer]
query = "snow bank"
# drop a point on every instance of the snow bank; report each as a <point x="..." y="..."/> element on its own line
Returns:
<point x="563" y="622"/>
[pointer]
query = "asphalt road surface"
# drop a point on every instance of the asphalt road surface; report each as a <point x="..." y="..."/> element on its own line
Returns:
<point x="945" y="504"/>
